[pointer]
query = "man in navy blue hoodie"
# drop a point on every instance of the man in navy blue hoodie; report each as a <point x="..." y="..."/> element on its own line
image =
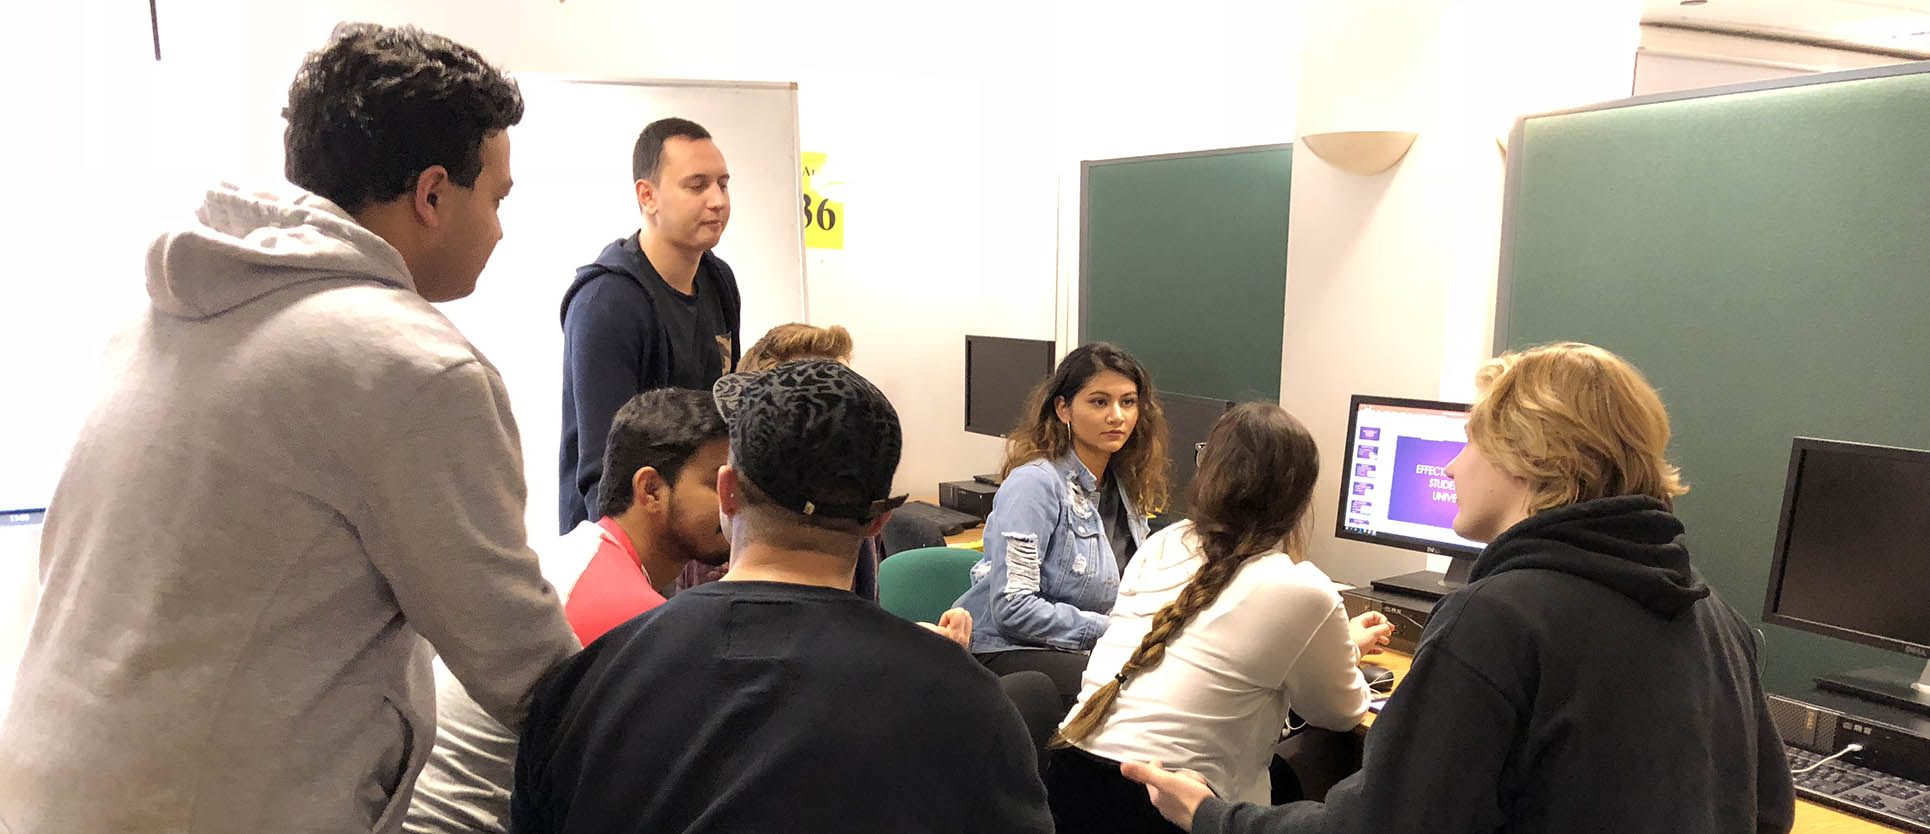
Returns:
<point x="656" y="309"/>
<point x="1586" y="679"/>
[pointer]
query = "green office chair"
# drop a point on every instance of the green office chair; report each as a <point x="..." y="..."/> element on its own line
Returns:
<point x="920" y="584"/>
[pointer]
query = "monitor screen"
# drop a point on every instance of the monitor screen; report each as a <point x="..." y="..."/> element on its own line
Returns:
<point x="1852" y="556"/>
<point x="1189" y="420"/>
<point x="999" y="375"/>
<point x="1393" y="487"/>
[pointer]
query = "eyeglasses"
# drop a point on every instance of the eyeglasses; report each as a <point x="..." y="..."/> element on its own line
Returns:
<point x="1199" y="452"/>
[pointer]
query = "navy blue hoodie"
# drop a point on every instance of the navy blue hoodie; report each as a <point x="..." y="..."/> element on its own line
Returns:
<point x="1585" y="680"/>
<point x="615" y="349"/>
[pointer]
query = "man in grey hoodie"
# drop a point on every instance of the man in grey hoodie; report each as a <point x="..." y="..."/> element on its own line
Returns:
<point x="299" y="471"/>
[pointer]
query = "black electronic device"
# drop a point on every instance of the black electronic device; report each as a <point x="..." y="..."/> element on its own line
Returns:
<point x="1394" y="490"/>
<point x="1866" y="759"/>
<point x="1189" y="420"/>
<point x="949" y="522"/>
<point x="1000" y="374"/>
<point x="967" y="497"/>
<point x="992" y="481"/>
<point x="1850" y="559"/>
<point x="1408" y="613"/>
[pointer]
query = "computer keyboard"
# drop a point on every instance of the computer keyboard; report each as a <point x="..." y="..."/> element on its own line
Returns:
<point x="1890" y="800"/>
<point x="949" y="522"/>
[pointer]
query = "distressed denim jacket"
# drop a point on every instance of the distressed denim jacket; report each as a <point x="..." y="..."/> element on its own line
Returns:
<point x="1048" y="578"/>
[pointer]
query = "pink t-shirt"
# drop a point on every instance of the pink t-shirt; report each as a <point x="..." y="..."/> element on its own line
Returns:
<point x="611" y="589"/>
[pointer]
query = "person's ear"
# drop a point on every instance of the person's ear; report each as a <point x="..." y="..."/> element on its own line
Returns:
<point x="649" y="490"/>
<point x="877" y="525"/>
<point x="729" y="502"/>
<point x="646" y="198"/>
<point x="431" y="187"/>
<point x="1063" y="409"/>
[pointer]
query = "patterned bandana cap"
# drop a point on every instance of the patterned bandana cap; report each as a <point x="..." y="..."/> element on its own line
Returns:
<point x="814" y="436"/>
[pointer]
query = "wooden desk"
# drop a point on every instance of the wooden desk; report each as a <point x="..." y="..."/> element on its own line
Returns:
<point x="1811" y="818"/>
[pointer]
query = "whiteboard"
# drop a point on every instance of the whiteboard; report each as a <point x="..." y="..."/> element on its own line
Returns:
<point x="570" y="159"/>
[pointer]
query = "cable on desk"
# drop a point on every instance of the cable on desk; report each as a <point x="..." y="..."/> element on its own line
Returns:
<point x="1852" y="747"/>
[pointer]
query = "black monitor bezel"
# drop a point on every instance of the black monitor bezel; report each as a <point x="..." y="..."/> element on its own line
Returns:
<point x="1051" y="361"/>
<point x="1340" y="509"/>
<point x="1798" y="448"/>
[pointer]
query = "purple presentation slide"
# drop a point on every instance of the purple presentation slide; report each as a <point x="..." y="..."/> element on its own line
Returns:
<point x="1358" y="506"/>
<point x="1370" y="432"/>
<point x="1362" y="487"/>
<point x="1357" y="522"/>
<point x="1363" y="470"/>
<point x="1367" y="452"/>
<point x="1421" y="492"/>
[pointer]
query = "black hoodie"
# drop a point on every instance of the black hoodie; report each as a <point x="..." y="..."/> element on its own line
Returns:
<point x="616" y="347"/>
<point x="1585" y="680"/>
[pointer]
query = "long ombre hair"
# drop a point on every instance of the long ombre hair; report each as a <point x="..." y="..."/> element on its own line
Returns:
<point x="1250" y="498"/>
<point x="1140" y="466"/>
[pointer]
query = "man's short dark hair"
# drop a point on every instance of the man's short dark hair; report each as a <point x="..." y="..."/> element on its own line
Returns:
<point x="647" y="157"/>
<point x="661" y="429"/>
<point x="369" y="112"/>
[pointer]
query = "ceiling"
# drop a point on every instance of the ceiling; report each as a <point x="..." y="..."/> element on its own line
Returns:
<point x="1882" y="24"/>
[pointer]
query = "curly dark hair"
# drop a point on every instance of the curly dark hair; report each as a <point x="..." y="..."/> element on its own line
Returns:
<point x="662" y="428"/>
<point x="369" y="112"/>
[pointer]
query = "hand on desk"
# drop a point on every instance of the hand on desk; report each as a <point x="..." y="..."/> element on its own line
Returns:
<point x="954" y="625"/>
<point x="1176" y="793"/>
<point x="1370" y="632"/>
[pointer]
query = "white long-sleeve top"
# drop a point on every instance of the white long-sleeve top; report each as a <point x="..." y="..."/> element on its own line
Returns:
<point x="1277" y="637"/>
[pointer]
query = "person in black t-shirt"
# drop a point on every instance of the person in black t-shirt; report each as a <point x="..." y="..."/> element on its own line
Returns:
<point x="775" y="699"/>
<point x="656" y="309"/>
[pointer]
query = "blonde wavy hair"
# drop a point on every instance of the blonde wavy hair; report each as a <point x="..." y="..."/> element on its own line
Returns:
<point x="794" y="341"/>
<point x="1577" y="422"/>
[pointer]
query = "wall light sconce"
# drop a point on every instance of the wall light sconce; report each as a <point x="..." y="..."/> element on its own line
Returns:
<point x="1363" y="152"/>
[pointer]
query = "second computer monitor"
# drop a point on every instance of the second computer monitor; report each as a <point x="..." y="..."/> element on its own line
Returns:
<point x="1189" y="420"/>
<point x="999" y="375"/>
<point x="1394" y="488"/>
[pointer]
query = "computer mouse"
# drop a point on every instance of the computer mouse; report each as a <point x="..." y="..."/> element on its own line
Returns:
<point x="1378" y="677"/>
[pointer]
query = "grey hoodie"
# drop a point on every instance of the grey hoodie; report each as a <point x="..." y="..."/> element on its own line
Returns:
<point x="299" y="470"/>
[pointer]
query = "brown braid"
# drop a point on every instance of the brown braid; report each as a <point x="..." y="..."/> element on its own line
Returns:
<point x="1250" y="497"/>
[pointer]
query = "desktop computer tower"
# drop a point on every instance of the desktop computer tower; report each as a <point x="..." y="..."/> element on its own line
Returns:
<point x="967" y="497"/>
<point x="1407" y="612"/>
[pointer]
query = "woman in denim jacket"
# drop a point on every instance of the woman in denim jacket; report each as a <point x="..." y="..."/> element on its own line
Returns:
<point x="1081" y="475"/>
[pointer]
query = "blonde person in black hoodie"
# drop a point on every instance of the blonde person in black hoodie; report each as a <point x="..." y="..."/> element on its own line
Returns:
<point x="1586" y="679"/>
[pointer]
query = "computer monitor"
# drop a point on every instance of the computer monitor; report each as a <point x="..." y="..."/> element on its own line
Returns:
<point x="1394" y="490"/>
<point x="1852" y="559"/>
<point x="1189" y="420"/>
<point x="999" y="375"/>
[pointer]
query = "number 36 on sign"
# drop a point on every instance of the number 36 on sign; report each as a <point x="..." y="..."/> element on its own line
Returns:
<point x="823" y="219"/>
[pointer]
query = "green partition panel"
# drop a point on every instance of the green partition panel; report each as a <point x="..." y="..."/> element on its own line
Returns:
<point x="1762" y="253"/>
<point x="1183" y="263"/>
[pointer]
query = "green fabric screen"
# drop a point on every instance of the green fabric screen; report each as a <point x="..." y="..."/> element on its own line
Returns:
<point x="1763" y="255"/>
<point x="1184" y="264"/>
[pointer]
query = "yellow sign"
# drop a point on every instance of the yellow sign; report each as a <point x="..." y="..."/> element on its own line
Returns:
<point x="823" y="219"/>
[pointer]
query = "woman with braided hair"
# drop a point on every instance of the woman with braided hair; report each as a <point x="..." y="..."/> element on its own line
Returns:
<point x="1217" y="631"/>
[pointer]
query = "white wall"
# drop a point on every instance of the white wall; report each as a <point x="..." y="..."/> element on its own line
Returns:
<point x="1391" y="278"/>
<point x="1675" y="59"/>
<point x="958" y="131"/>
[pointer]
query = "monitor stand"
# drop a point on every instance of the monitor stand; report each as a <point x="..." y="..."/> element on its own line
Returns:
<point x="1427" y="583"/>
<point x="1884" y="685"/>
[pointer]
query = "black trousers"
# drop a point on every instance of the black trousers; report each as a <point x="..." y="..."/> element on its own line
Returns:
<point x="1088" y="794"/>
<point x="1066" y="669"/>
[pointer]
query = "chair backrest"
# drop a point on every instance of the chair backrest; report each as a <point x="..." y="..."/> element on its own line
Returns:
<point x="920" y="584"/>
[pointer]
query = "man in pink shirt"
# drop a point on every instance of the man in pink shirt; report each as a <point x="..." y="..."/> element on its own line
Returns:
<point x="661" y="517"/>
<point x="657" y="516"/>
